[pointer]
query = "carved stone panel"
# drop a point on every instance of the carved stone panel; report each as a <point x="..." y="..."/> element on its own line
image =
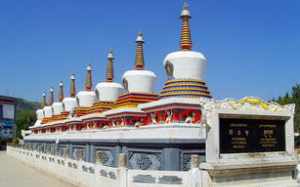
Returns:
<point x="79" y="153"/>
<point x="144" y="161"/>
<point x="104" y="157"/>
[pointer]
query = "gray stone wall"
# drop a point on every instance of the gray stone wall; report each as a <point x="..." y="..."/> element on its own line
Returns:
<point x="155" y="156"/>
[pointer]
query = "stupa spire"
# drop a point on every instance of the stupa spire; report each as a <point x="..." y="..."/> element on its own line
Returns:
<point x="44" y="100"/>
<point x="73" y="86"/>
<point x="110" y="68"/>
<point x="51" y="98"/>
<point x="61" y="91"/>
<point x="185" y="38"/>
<point x="139" y="56"/>
<point x="88" y="80"/>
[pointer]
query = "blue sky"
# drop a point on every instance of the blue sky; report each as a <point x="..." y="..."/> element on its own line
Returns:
<point x="253" y="47"/>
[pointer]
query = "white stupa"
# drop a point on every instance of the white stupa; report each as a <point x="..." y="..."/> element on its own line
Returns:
<point x="70" y="103"/>
<point x="185" y="68"/>
<point x="139" y="80"/>
<point x="40" y="112"/>
<point x="58" y="107"/>
<point x="109" y="91"/>
<point x="87" y="97"/>
<point x="48" y="109"/>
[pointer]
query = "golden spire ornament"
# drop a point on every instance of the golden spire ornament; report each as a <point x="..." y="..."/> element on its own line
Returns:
<point x="44" y="100"/>
<point x="61" y="91"/>
<point x="88" y="80"/>
<point x="73" y="86"/>
<point x="51" y="99"/>
<point x="185" y="38"/>
<point x="110" y="68"/>
<point x="139" y="55"/>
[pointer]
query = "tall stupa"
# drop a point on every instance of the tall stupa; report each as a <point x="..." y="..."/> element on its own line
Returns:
<point x="185" y="68"/>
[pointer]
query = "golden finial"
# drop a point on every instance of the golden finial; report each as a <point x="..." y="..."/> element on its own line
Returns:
<point x="110" y="68"/>
<point x="185" y="39"/>
<point x="73" y="86"/>
<point x="61" y="91"/>
<point x="51" y="99"/>
<point x="139" y="56"/>
<point x="88" y="80"/>
<point x="44" y="100"/>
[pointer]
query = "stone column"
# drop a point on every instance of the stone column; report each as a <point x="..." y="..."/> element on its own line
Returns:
<point x="195" y="161"/>
<point x="195" y="171"/>
<point x="122" y="164"/>
<point x="122" y="160"/>
<point x="92" y="153"/>
<point x="117" y="151"/>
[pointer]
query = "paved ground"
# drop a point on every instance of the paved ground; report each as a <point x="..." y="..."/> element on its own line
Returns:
<point x="14" y="173"/>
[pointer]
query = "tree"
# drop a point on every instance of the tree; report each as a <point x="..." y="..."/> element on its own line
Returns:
<point x="25" y="119"/>
<point x="293" y="97"/>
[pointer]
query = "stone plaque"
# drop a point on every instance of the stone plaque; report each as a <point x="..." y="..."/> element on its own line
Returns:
<point x="251" y="135"/>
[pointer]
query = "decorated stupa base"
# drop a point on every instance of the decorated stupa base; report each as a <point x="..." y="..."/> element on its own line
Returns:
<point x="173" y="112"/>
<point x="81" y="111"/>
<point x="101" y="106"/>
<point x="129" y="117"/>
<point x="59" y="117"/>
<point x="185" y="88"/>
<point x="130" y="100"/>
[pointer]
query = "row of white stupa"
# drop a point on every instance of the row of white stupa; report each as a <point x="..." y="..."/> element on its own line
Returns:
<point x="186" y="64"/>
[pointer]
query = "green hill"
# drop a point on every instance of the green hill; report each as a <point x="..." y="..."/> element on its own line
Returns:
<point x="23" y="104"/>
<point x="25" y="115"/>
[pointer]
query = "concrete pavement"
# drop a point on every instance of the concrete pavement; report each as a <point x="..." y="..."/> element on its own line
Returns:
<point x="14" y="173"/>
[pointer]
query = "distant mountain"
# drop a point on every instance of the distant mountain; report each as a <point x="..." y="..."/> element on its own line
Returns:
<point x="23" y="104"/>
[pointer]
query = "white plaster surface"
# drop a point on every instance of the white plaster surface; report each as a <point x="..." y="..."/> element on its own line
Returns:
<point x="187" y="64"/>
<point x="86" y="98"/>
<point x="39" y="114"/>
<point x="48" y="111"/>
<point x="70" y="103"/>
<point x="58" y="108"/>
<point x="109" y="91"/>
<point x="140" y="81"/>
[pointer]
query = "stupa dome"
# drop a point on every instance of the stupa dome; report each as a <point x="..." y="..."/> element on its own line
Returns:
<point x="185" y="65"/>
<point x="70" y="103"/>
<point x="39" y="114"/>
<point x="109" y="91"/>
<point x="58" y="107"/>
<point x="48" y="110"/>
<point x="139" y="80"/>
<point x="87" y="97"/>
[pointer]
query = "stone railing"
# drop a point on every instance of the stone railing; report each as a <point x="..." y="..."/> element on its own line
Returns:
<point x="80" y="173"/>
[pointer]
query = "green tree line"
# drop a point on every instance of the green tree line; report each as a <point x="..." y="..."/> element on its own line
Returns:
<point x="292" y="96"/>
<point x="25" y="116"/>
